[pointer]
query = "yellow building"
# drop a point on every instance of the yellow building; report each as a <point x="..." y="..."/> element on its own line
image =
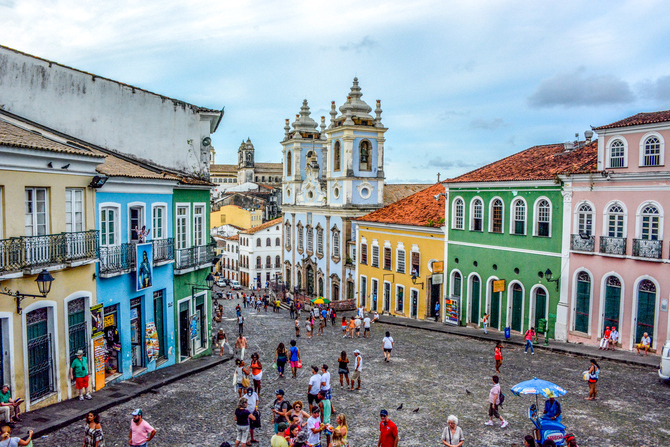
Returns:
<point x="47" y="223"/>
<point x="235" y="215"/>
<point x="400" y="253"/>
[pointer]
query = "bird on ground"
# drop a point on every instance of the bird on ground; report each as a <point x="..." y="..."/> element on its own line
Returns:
<point x="467" y="391"/>
<point x="416" y="410"/>
<point x="400" y="407"/>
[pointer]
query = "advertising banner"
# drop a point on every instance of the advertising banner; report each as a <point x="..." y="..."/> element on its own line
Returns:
<point x="144" y="256"/>
<point x="451" y="310"/>
<point x="100" y="354"/>
<point x="151" y="340"/>
<point x="97" y="321"/>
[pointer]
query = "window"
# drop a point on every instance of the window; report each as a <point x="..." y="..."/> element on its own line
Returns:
<point x="583" y="302"/>
<point x="364" y="162"/>
<point x="615" y="217"/>
<point x="497" y="216"/>
<point x="477" y="212"/>
<point x="74" y="210"/>
<point x="617" y="154"/>
<point x="364" y="254"/>
<point x="458" y="214"/>
<point x="258" y="262"/>
<point x="136" y="217"/>
<point x="108" y="227"/>
<point x="36" y="211"/>
<point x="519" y="211"/>
<point x="288" y="164"/>
<point x="585" y="219"/>
<point x="400" y="263"/>
<point x="300" y="238"/>
<point x="375" y="256"/>
<point x="182" y="227"/>
<point x="158" y="222"/>
<point x="277" y="261"/>
<point x="652" y="152"/>
<point x="319" y="241"/>
<point x="387" y="258"/>
<point x="364" y="290"/>
<point x="287" y="235"/>
<point x="337" y="157"/>
<point x="543" y="218"/>
<point x="456" y="285"/>
<point x="310" y="239"/>
<point x="400" y="299"/>
<point x="258" y="242"/>
<point x="268" y="242"/>
<point x="416" y="262"/>
<point x="268" y="262"/>
<point x="199" y="224"/>
<point x="650" y="223"/>
<point x="336" y="243"/>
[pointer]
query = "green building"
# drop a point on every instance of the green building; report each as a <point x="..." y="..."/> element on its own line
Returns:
<point x="193" y="257"/>
<point x="505" y="238"/>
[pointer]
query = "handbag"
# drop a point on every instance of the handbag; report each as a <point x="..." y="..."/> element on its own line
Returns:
<point x="245" y="382"/>
<point x="299" y="364"/>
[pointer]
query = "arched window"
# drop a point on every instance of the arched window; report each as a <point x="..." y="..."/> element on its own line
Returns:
<point x="258" y="262"/>
<point x="258" y="242"/>
<point x="649" y="223"/>
<point x="543" y="218"/>
<point x="612" y="302"/>
<point x="320" y="286"/>
<point x="617" y="154"/>
<point x="364" y="161"/>
<point x="456" y="285"/>
<point x="268" y="262"/>
<point x="585" y="219"/>
<point x="646" y="309"/>
<point x="497" y="216"/>
<point x="277" y="261"/>
<point x="519" y="216"/>
<point x="337" y="160"/>
<point x="458" y="214"/>
<point x="540" y="306"/>
<point x="310" y="239"/>
<point x="477" y="212"/>
<point x="319" y="241"/>
<point x="652" y="152"/>
<point x="287" y="234"/>
<point x="268" y="242"/>
<point x="615" y="221"/>
<point x="289" y="164"/>
<point x="277" y="242"/>
<point x="583" y="302"/>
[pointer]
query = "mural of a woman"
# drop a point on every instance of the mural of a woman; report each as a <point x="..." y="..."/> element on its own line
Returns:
<point x="144" y="279"/>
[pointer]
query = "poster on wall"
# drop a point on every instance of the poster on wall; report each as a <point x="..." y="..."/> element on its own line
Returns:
<point x="195" y="319"/>
<point x="151" y="340"/>
<point x="99" y="356"/>
<point x="97" y="321"/>
<point x="145" y="270"/>
<point x="451" y="306"/>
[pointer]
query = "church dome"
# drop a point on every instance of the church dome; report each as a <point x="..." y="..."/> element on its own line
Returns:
<point x="355" y="105"/>
<point x="303" y="122"/>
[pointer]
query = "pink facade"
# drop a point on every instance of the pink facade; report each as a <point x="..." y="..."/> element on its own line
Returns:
<point x="618" y="265"/>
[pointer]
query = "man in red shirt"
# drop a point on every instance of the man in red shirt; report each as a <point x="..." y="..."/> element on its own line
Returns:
<point x="388" y="432"/>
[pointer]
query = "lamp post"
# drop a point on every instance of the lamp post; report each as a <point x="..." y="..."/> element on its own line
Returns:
<point x="43" y="280"/>
<point x="549" y="277"/>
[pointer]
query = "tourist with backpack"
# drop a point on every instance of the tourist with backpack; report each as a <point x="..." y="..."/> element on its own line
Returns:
<point x="496" y="399"/>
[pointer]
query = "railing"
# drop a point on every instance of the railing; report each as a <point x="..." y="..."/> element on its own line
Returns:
<point x="117" y="258"/>
<point x="580" y="243"/>
<point x="646" y="248"/>
<point x="613" y="245"/>
<point x="163" y="249"/>
<point x="50" y="249"/>
<point x="195" y="256"/>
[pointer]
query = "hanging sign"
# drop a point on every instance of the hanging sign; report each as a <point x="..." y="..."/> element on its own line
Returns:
<point x="151" y="341"/>
<point x="499" y="286"/>
<point x="437" y="278"/>
<point x="438" y="267"/>
<point x="97" y="321"/>
<point x="145" y="269"/>
<point x="99" y="356"/>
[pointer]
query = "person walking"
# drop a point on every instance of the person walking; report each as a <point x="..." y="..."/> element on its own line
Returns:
<point x="297" y="326"/>
<point x="79" y="373"/>
<point x="485" y="323"/>
<point x="593" y="375"/>
<point x="240" y="346"/>
<point x="530" y="334"/>
<point x="345" y="327"/>
<point x="333" y="317"/>
<point x="313" y="387"/>
<point x="240" y="324"/>
<point x="366" y="326"/>
<point x="325" y="381"/>
<point x="294" y="357"/>
<point x="256" y="372"/>
<point x="498" y="356"/>
<point x="358" y="368"/>
<point x="93" y="436"/>
<point x="242" y="418"/>
<point x="252" y="408"/>
<point x="308" y="327"/>
<point x="7" y="440"/>
<point x="387" y="345"/>
<point x="281" y="357"/>
<point x="141" y="432"/>
<point x="222" y="341"/>
<point x="280" y="409"/>
<point x="241" y="373"/>
<point x="452" y="435"/>
<point x="352" y="327"/>
<point x="494" y="401"/>
<point x="291" y="310"/>
<point x="343" y="368"/>
<point x="357" y="325"/>
<point x="388" y="432"/>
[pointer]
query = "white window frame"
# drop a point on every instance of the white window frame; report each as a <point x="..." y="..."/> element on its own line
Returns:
<point x="455" y="217"/>
<point x="116" y="208"/>
<point x="512" y="223"/>
<point x="336" y="242"/>
<point x="401" y="265"/>
<point x="643" y="205"/>
<point x="661" y="158"/>
<point x="287" y="233"/>
<point x="159" y="232"/>
<point x="577" y="217"/>
<point x="186" y="243"/>
<point x="201" y="238"/>
<point x="536" y="222"/>
<point x="72" y="214"/>
<point x="374" y="262"/>
<point x="415" y="249"/>
<point x="142" y="218"/>
<point x="452" y="279"/>
<point x="404" y="298"/>
<point x="472" y="213"/>
<point x="363" y="291"/>
<point x="33" y="214"/>
<point x="502" y="217"/>
<point x="609" y="151"/>
<point x="606" y="218"/>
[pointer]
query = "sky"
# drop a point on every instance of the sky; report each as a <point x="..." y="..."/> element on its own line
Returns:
<point x="461" y="83"/>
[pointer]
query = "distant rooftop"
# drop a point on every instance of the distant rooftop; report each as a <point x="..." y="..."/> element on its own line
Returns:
<point x="639" y="119"/>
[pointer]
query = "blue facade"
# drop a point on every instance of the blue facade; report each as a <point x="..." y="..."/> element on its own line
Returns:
<point x="128" y="311"/>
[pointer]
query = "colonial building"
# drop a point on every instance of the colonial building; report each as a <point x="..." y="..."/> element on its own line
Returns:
<point x="246" y="170"/>
<point x="229" y="264"/>
<point x="237" y="216"/>
<point x="260" y="254"/>
<point x="331" y="176"/>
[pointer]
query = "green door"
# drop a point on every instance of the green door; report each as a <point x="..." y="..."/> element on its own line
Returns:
<point x="540" y="306"/>
<point x="517" y="303"/>
<point x="76" y="320"/>
<point x="495" y="309"/>
<point x="39" y="354"/>
<point x="583" y="302"/>
<point x="646" y="309"/>
<point x="612" y="302"/>
<point x="474" y="300"/>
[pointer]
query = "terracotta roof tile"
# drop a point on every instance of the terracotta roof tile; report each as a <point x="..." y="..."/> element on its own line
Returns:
<point x="254" y="230"/>
<point x="417" y="209"/>
<point x="11" y="135"/>
<point x="222" y="168"/>
<point x="536" y="163"/>
<point x="640" y="118"/>
<point x="398" y="191"/>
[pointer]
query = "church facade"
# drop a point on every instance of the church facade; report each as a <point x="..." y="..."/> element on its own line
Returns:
<point x="331" y="175"/>
<point x="246" y="170"/>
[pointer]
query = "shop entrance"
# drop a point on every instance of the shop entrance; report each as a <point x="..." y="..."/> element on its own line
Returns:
<point x="136" y="335"/>
<point x="434" y="299"/>
<point x="159" y="319"/>
<point x="184" y="336"/>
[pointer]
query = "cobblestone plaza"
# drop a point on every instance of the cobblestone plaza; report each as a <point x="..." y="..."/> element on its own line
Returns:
<point x="438" y="374"/>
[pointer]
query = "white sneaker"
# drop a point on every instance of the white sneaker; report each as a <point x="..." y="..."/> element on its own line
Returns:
<point x="504" y="424"/>
<point x="532" y="353"/>
<point x="81" y="397"/>
<point x="88" y="396"/>
<point x="488" y="423"/>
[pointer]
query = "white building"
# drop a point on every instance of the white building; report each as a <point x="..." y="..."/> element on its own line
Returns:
<point x="230" y="257"/>
<point x="260" y="254"/>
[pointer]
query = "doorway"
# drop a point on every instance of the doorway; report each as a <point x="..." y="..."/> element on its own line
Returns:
<point x="136" y="335"/>
<point x="517" y="306"/>
<point x="434" y="299"/>
<point x="646" y="309"/>
<point x="414" y="308"/>
<point x="159" y="319"/>
<point x="494" y="314"/>
<point x="540" y="306"/>
<point x="373" y="290"/>
<point x="387" y="297"/>
<point x="184" y="335"/>
<point x="474" y="300"/>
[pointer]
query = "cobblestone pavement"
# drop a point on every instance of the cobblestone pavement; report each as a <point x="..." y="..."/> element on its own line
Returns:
<point x="439" y="374"/>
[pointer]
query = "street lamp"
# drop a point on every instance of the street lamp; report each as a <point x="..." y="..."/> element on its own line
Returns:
<point x="549" y="277"/>
<point x="43" y="280"/>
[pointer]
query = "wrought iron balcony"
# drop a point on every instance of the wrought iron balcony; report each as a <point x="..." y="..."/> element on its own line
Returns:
<point x="117" y="259"/>
<point x="38" y="252"/>
<point x="163" y="249"/>
<point x="646" y="248"/>
<point x="194" y="257"/>
<point x="579" y="242"/>
<point x="613" y="245"/>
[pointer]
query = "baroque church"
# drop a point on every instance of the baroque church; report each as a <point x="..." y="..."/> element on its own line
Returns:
<point x="246" y="170"/>
<point x="331" y="175"/>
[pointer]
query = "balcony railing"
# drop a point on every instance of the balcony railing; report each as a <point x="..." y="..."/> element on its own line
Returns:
<point x="613" y="245"/>
<point x="117" y="259"/>
<point x="646" y="248"/>
<point x="186" y="258"/>
<point x="582" y="243"/>
<point x="163" y="249"/>
<point x="32" y="252"/>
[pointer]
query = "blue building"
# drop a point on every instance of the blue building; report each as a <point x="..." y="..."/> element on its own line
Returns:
<point x="135" y="274"/>
<point x="331" y="176"/>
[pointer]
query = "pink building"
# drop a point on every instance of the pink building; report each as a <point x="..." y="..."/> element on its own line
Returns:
<point x="618" y="270"/>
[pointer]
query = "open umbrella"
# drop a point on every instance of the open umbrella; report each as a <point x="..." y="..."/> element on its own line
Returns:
<point x="320" y="300"/>
<point x="538" y="386"/>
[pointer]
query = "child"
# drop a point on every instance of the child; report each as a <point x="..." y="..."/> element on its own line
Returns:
<point x="344" y="327"/>
<point x="308" y="327"/>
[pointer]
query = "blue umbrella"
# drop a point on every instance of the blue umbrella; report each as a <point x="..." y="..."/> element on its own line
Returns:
<point x="538" y="386"/>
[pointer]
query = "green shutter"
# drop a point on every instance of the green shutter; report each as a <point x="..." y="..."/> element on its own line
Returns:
<point x="540" y="306"/>
<point x="612" y="306"/>
<point x="495" y="309"/>
<point x="646" y="309"/>
<point x="582" y="306"/>
<point x="517" y="303"/>
<point x="474" y="304"/>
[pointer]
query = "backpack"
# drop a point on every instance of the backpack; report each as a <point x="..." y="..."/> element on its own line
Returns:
<point x="501" y="399"/>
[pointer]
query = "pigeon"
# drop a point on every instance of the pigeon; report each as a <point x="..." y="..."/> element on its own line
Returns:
<point x="66" y="166"/>
<point x="467" y="391"/>
<point x="400" y="407"/>
<point x="416" y="410"/>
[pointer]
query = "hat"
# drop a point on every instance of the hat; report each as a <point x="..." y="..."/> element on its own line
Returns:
<point x="5" y="386"/>
<point x="569" y="437"/>
<point x="137" y="412"/>
<point x="357" y="351"/>
<point x="383" y="413"/>
<point x="607" y="327"/>
<point x="282" y="426"/>
<point x="614" y="328"/>
<point x="279" y="392"/>
<point x="79" y="352"/>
